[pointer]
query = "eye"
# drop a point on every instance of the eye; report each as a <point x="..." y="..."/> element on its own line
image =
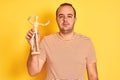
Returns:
<point x="61" y="16"/>
<point x="70" y="15"/>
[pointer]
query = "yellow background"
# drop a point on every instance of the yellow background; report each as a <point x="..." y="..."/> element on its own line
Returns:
<point x="97" y="19"/>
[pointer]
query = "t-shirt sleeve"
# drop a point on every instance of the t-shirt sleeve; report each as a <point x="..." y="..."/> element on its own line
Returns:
<point x="42" y="51"/>
<point x="91" y="56"/>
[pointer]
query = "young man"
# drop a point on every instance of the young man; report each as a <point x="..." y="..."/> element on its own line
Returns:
<point x="67" y="54"/>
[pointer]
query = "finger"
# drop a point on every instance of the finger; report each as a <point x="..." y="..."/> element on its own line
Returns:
<point x="27" y="37"/>
<point x="29" y="34"/>
<point x="31" y="31"/>
<point x="38" y="32"/>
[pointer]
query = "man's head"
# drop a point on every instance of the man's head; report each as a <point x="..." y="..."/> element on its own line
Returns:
<point x="66" y="17"/>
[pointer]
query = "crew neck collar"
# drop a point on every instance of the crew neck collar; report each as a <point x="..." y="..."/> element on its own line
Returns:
<point x="60" y="37"/>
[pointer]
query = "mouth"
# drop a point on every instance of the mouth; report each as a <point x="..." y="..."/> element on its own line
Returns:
<point x="65" y="24"/>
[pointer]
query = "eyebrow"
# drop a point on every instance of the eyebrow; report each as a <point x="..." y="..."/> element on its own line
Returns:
<point x="60" y="15"/>
<point x="70" y="14"/>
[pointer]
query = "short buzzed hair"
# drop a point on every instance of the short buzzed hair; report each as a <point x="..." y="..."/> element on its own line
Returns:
<point x="66" y="4"/>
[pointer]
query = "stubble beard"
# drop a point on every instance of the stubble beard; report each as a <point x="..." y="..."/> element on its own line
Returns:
<point x="67" y="31"/>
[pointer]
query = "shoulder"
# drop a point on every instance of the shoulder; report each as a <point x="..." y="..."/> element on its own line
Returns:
<point x="53" y="35"/>
<point x="82" y="37"/>
<point x="85" y="40"/>
<point x="49" y="37"/>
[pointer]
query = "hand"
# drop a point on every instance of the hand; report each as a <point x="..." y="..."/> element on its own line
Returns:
<point x="31" y="38"/>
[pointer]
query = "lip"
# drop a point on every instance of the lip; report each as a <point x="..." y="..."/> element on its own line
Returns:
<point x="65" y="24"/>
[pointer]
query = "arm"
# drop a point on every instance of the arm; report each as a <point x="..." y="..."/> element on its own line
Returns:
<point x="34" y="63"/>
<point x="92" y="71"/>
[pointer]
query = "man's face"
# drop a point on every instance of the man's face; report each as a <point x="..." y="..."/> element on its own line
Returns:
<point x="65" y="19"/>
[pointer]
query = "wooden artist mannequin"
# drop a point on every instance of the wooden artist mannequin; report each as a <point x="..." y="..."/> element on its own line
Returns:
<point x="35" y="25"/>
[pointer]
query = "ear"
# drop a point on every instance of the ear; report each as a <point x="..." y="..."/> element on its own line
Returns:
<point x="75" y="19"/>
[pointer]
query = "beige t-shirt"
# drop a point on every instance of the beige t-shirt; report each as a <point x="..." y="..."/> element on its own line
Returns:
<point x="66" y="59"/>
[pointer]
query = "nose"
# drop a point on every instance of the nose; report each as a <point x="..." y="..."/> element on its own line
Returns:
<point x="65" y="18"/>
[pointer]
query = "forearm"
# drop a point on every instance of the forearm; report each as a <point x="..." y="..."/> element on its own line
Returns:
<point x="33" y="64"/>
<point x="93" y="75"/>
<point x="92" y="71"/>
<point x="93" y="78"/>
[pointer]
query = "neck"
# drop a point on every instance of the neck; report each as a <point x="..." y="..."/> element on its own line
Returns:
<point x="67" y="36"/>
